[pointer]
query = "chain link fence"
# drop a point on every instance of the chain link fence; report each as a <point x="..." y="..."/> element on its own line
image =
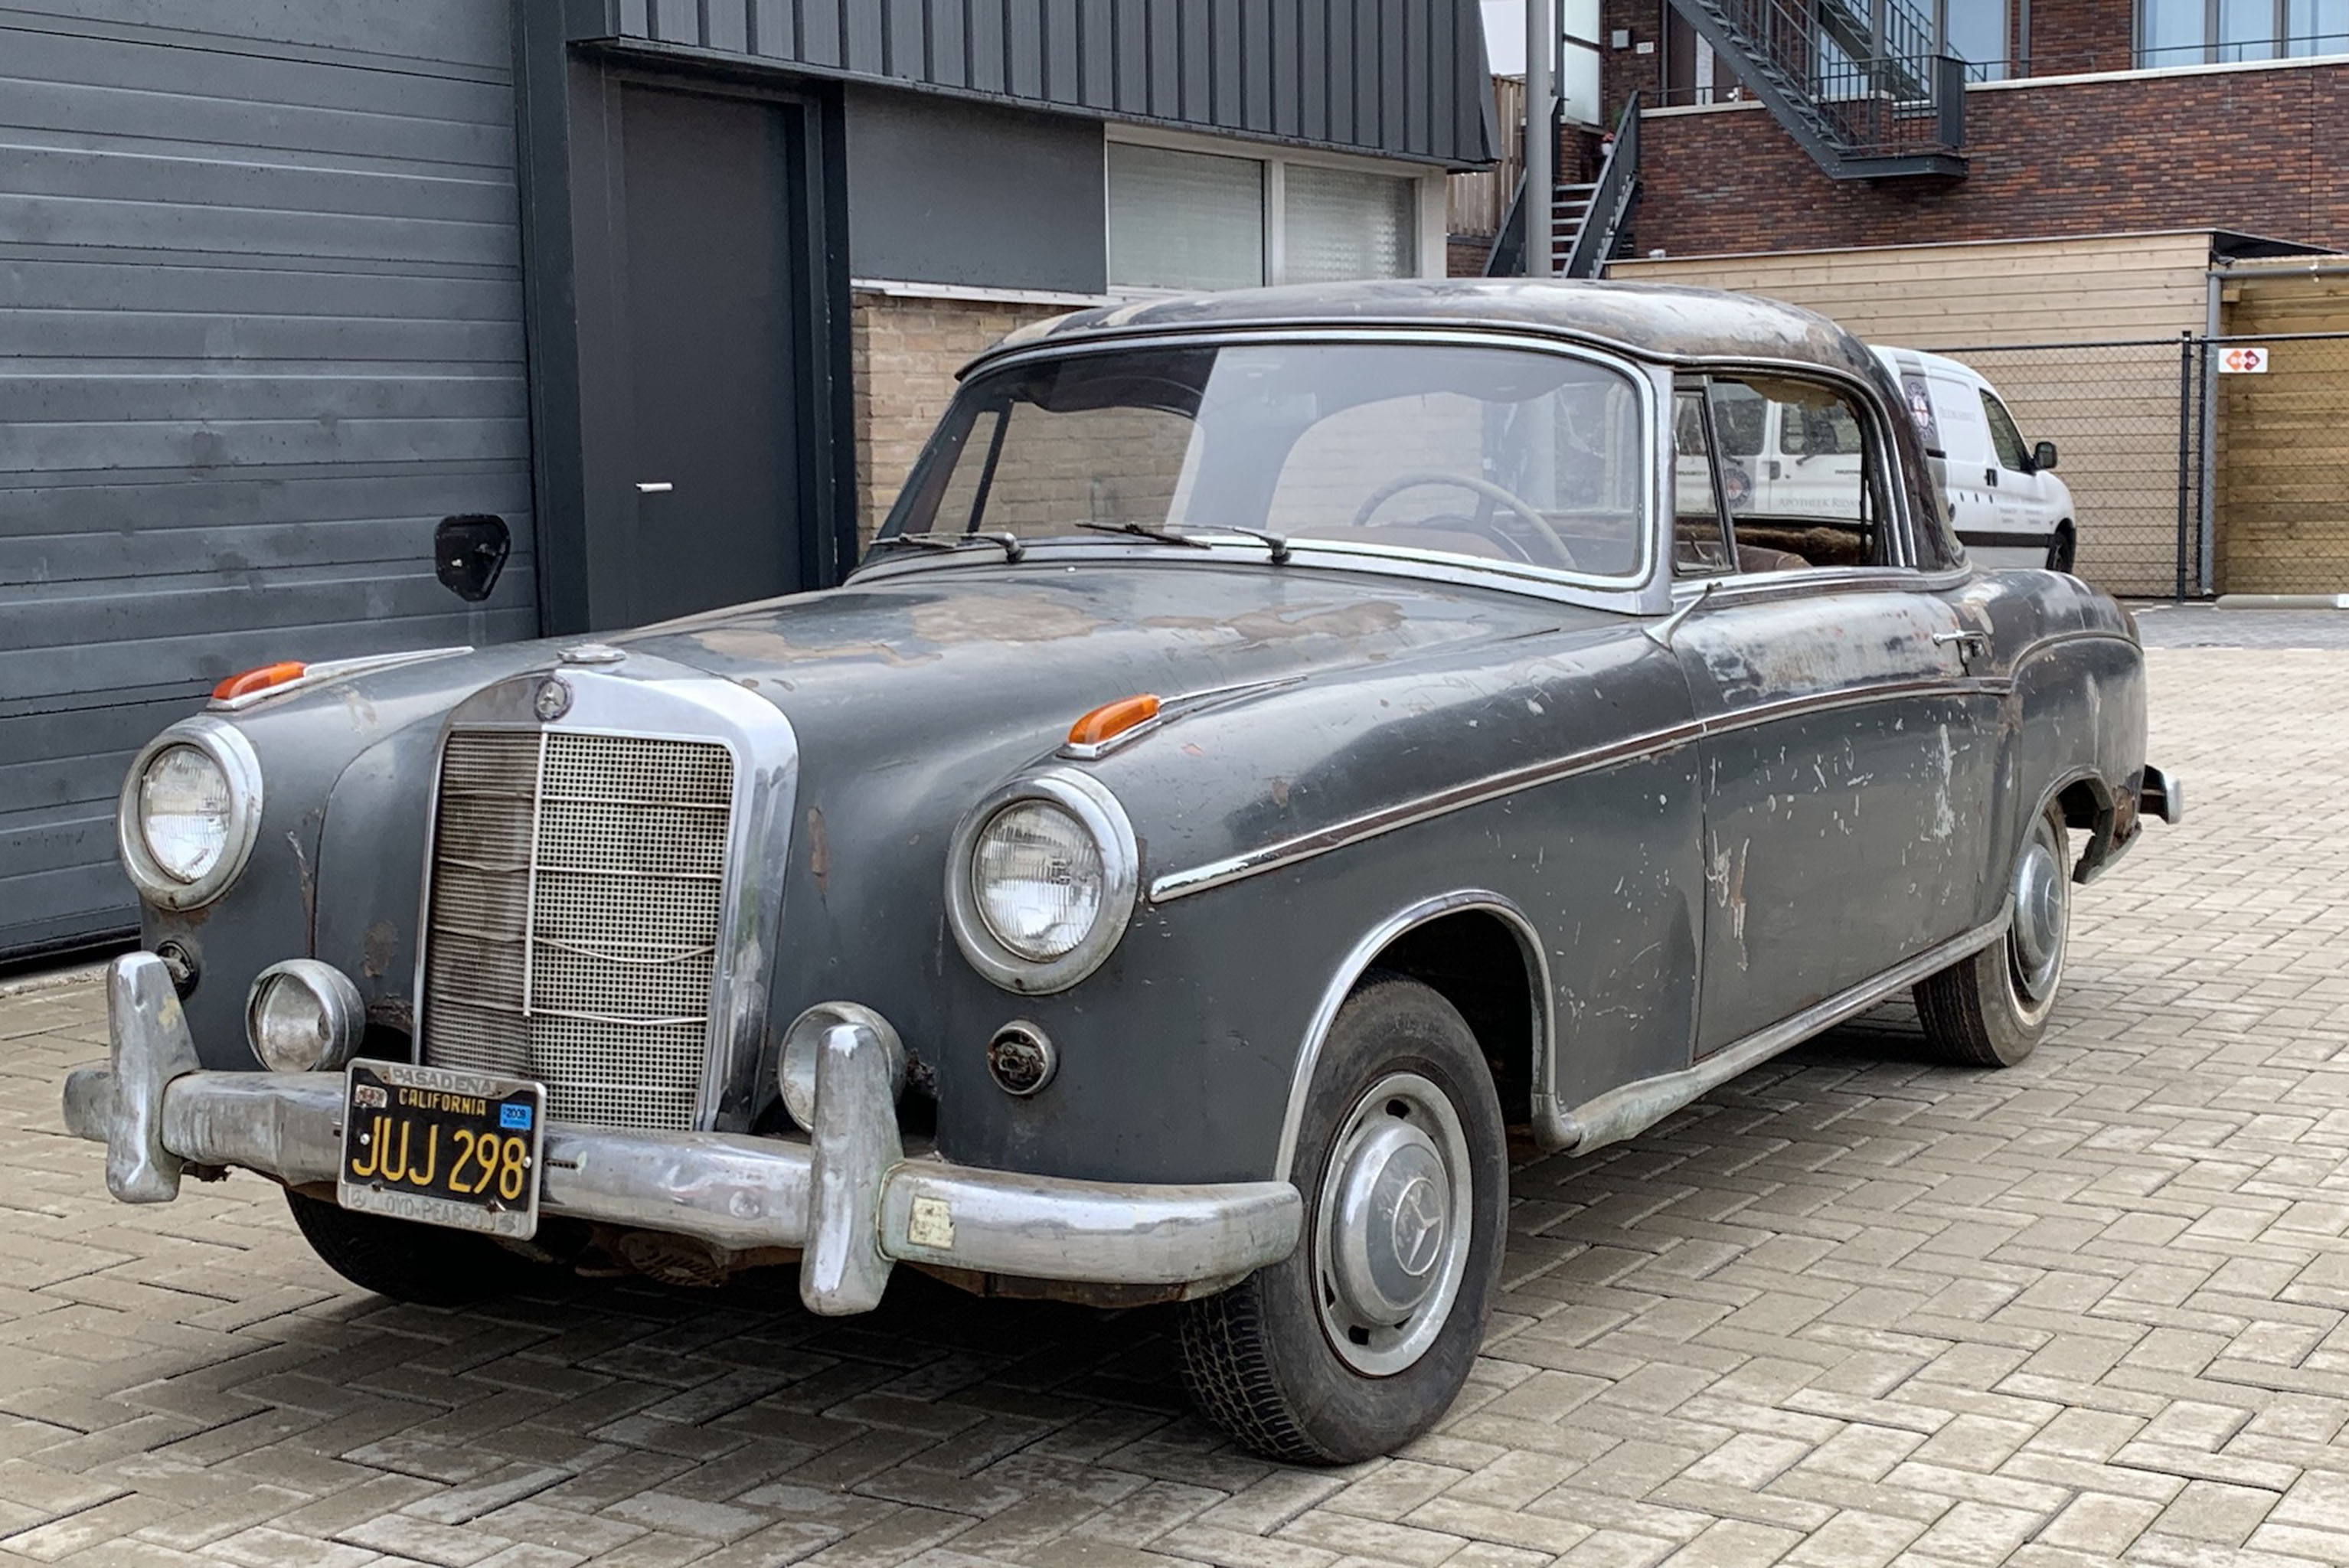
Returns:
<point x="2196" y="466"/>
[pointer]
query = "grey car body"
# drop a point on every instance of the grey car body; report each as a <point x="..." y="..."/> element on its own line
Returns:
<point x="1641" y="831"/>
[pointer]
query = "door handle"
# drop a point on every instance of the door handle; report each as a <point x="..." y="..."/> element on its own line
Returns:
<point x="653" y="487"/>
<point x="1990" y="478"/>
<point x="1972" y="646"/>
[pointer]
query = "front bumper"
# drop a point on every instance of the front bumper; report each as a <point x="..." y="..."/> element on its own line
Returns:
<point x="849" y="1197"/>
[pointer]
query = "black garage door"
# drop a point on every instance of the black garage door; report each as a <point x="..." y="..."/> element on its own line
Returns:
<point x="259" y="329"/>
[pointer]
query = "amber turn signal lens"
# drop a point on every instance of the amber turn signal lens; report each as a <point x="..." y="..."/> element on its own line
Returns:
<point x="246" y="682"/>
<point x="1112" y="720"/>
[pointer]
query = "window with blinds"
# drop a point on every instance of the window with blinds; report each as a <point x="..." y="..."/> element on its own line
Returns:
<point x="1183" y="220"/>
<point x="1186" y="220"/>
<point x="1339" y="223"/>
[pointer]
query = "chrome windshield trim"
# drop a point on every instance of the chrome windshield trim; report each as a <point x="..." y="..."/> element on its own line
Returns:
<point x="1352" y="831"/>
<point x="1496" y="335"/>
<point x="1416" y="566"/>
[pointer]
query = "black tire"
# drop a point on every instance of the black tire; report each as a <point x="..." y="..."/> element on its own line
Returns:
<point x="425" y="1264"/>
<point x="2064" y="550"/>
<point x="1261" y="1360"/>
<point x="1991" y="1009"/>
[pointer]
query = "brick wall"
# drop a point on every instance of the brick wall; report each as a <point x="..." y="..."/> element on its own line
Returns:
<point x="2067" y="37"/>
<point x="2070" y="36"/>
<point x="2256" y="149"/>
<point x="906" y="352"/>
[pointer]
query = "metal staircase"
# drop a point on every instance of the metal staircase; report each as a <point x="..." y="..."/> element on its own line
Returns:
<point x="1588" y="222"/>
<point x="1861" y="84"/>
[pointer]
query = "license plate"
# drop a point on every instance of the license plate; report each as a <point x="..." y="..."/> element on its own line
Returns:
<point x="454" y="1149"/>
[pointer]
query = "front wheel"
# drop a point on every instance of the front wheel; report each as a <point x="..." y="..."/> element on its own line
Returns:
<point x="1361" y="1339"/>
<point x="426" y="1265"/>
<point x="1990" y="1010"/>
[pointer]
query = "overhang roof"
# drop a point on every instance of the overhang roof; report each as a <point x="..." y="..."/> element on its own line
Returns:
<point x="1383" y="78"/>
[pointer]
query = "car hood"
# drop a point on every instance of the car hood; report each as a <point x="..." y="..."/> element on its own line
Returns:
<point x="912" y="668"/>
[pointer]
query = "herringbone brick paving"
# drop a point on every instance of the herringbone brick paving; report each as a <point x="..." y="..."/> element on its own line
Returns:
<point x="1854" y="1309"/>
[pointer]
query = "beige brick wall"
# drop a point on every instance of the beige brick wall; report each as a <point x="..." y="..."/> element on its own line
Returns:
<point x="906" y="351"/>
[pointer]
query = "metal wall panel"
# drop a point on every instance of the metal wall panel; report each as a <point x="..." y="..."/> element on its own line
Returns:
<point x="259" y="329"/>
<point x="1398" y="79"/>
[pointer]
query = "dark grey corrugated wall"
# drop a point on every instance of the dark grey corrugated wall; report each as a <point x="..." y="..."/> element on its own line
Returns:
<point x="1399" y="78"/>
<point x="259" y="329"/>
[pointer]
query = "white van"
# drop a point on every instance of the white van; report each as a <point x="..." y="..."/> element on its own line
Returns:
<point x="2005" y="501"/>
<point x="1787" y="456"/>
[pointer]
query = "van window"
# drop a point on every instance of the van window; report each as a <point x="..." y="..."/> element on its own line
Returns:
<point x="1962" y="435"/>
<point x="2013" y="456"/>
<point x="1820" y="432"/>
<point x="1738" y="415"/>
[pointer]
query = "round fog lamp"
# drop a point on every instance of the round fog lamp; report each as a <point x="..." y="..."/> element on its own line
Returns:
<point x="304" y="1016"/>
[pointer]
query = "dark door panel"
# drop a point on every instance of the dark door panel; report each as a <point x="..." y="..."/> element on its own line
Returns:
<point x="1850" y="780"/>
<point x="711" y="285"/>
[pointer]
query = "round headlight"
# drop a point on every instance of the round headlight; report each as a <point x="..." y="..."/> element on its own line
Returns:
<point x="1038" y="876"/>
<point x="303" y="1017"/>
<point x="1040" y="879"/>
<point x="183" y="812"/>
<point x="190" y="811"/>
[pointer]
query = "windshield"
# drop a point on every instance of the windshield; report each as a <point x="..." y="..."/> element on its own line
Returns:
<point x="1506" y="454"/>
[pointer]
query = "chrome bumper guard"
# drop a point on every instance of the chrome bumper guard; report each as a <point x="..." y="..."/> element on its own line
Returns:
<point x="2162" y="795"/>
<point x="849" y="1197"/>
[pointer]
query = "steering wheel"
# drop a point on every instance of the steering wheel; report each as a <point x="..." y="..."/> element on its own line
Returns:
<point x="1490" y="492"/>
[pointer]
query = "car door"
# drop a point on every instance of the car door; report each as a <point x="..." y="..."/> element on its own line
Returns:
<point x="2025" y="507"/>
<point x="1848" y="757"/>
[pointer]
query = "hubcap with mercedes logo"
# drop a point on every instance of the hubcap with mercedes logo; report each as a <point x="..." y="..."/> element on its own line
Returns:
<point x="1392" y="1244"/>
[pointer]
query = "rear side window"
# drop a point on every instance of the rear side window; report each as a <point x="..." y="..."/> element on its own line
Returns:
<point x="1963" y="435"/>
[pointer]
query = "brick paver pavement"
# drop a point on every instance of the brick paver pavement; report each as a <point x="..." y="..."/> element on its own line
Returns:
<point x="1854" y="1309"/>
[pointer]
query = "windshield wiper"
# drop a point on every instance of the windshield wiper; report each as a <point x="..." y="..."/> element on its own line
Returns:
<point x="1009" y="543"/>
<point x="1143" y="530"/>
<point x="1277" y="543"/>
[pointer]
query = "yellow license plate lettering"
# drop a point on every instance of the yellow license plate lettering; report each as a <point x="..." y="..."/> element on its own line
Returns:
<point x="373" y="1141"/>
<point x="512" y="1168"/>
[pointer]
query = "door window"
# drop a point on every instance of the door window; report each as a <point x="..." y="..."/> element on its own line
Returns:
<point x="2012" y="454"/>
<point x="1798" y="473"/>
<point x="1699" y="530"/>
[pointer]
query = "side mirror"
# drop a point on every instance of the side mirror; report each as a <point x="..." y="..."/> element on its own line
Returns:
<point x="467" y="553"/>
<point x="2042" y="456"/>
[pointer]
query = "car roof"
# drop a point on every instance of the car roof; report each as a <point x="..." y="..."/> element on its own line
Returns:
<point x="1655" y="321"/>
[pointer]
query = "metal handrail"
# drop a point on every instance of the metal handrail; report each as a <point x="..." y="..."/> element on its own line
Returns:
<point x="1865" y="76"/>
<point x="1506" y="259"/>
<point x="1610" y="199"/>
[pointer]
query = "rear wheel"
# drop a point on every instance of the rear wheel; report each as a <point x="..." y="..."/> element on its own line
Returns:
<point x="1990" y="1009"/>
<point x="1361" y="1339"/>
<point x="426" y="1265"/>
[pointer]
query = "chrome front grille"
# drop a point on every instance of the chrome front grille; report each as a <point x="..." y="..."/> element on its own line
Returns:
<point x="577" y="884"/>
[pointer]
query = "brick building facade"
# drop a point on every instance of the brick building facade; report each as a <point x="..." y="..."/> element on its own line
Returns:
<point x="2070" y="139"/>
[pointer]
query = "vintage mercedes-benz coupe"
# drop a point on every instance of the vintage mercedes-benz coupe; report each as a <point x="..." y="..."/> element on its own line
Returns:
<point x="1280" y="741"/>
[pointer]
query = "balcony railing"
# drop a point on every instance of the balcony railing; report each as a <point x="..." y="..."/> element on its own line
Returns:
<point x="1859" y="83"/>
